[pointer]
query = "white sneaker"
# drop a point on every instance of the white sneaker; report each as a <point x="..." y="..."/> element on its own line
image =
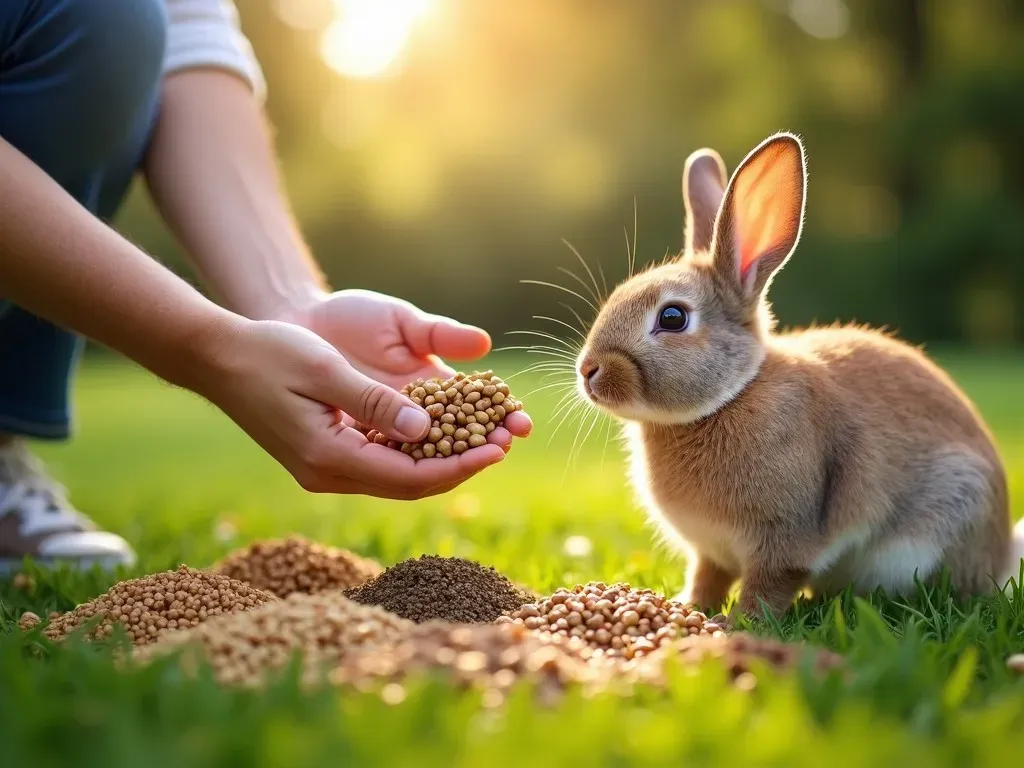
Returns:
<point x="37" y="520"/>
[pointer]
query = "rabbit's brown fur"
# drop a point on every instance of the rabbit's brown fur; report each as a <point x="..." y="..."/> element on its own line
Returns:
<point x="821" y="458"/>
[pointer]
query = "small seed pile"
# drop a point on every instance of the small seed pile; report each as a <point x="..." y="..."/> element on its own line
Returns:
<point x="445" y="588"/>
<point x="243" y="648"/>
<point x="27" y="621"/>
<point x="615" y="620"/>
<point x="161" y="602"/>
<point x="464" y="410"/>
<point x="486" y="656"/>
<point x="286" y="566"/>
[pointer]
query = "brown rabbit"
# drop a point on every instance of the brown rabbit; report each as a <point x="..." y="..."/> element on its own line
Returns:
<point x="819" y="458"/>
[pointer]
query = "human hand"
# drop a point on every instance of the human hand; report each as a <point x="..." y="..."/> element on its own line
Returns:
<point x="393" y="342"/>
<point x="297" y="397"/>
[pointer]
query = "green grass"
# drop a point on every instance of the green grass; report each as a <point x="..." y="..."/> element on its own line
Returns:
<point x="927" y="683"/>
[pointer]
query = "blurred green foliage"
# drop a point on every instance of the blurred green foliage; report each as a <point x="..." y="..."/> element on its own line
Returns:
<point x="503" y="127"/>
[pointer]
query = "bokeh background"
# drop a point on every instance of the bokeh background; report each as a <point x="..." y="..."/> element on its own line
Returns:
<point x="440" y="150"/>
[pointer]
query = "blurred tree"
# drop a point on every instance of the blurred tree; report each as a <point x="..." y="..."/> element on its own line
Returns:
<point x="501" y="128"/>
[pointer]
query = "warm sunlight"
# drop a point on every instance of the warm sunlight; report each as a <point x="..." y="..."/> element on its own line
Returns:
<point x="367" y="36"/>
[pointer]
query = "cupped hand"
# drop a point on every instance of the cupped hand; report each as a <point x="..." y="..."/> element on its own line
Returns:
<point x="296" y="395"/>
<point x="394" y="342"/>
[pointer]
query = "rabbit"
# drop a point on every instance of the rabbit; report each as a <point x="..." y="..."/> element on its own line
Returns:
<point x="813" y="459"/>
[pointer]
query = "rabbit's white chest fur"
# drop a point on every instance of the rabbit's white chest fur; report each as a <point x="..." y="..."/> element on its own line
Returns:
<point x="678" y="519"/>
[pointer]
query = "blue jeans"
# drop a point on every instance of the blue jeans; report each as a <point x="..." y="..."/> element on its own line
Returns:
<point x="79" y="95"/>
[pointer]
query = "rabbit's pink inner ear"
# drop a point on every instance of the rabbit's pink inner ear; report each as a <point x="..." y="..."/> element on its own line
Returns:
<point x="768" y="200"/>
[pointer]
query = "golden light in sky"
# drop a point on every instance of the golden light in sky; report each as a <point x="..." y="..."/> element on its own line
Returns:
<point x="367" y="37"/>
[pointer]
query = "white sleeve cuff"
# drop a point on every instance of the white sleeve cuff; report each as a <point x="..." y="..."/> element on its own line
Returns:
<point x="206" y="33"/>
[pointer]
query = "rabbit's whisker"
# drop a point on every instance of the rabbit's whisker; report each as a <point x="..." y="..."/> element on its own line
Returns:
<point x="562" y="384"/>
<point x="542" y="350"/>
<point x="583" y="325"/>
<point x="597" y="291"/>
<point x="545" y="335"/>
<point x="562" y="323"/>
<point x="562" y="288"/>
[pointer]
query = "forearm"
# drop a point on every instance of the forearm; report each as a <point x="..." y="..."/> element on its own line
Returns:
<point x="60" y="262"/>
<point x="211" y="171"/>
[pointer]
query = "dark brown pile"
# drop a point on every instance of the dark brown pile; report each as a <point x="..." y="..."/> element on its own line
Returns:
<point x="287" y="566"/>
<point x="446" y="588"/>
<point x="149" y="606"/>
<point x="617" y="620"/>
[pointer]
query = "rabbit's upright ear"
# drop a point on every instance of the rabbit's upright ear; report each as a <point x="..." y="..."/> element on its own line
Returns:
<point x="762" y="214"/>
<point x="704" y="181"/>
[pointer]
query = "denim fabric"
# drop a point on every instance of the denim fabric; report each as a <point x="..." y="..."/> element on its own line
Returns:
<point x="79" y="94"/>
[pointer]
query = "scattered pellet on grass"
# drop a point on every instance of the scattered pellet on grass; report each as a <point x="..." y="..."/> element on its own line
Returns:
<point x="617" y="620"/>
<point x="1015" y="663"/>
<point x="446" y="588"/>
<point x="162" y="602"/>
<point x="24" y="582"/>
<point x="321" y="629"/>
<point x="27" y="621"/>
<point x="295" y="564"/>
<point x="464" y="409"/>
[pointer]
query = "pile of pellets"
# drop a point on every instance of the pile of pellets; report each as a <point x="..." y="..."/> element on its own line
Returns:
<point x="464" y="409"/>
<point x="244" y="649"/>
<point x="445" y="588"/>
<point x="492" y="658"/>
<point x="150" y="606"/>
<point x="615" y="620"/>
<point x="487" y="657"/>
<point x="286" y="566"/>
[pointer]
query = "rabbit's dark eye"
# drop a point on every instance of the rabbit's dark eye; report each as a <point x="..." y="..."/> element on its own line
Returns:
<point x="673" y="318"/>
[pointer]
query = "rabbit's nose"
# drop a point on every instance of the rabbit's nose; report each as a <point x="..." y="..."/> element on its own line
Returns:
<point x="589" y="369"/>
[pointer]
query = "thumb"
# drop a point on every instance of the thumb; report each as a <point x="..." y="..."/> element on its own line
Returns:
<point x="373" y="404"/>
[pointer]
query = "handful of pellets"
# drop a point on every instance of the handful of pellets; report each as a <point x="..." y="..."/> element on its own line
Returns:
<point x="463" y="410"/>
<point x="616" y="620"/>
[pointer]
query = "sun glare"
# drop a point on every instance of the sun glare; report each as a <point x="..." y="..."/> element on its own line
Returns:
<point x="368" y="36"/>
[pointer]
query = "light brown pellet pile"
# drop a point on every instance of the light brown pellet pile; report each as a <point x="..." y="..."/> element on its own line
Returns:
<point x="149" y="606"/>
<point x="464" y="410"/>
<point x="242" y="648"/>
<point x="27" y="621"/>
<point x="616" y="620"/>
<point x="494" y="657"/>
<point x="485" y="656"/>
<point x="285" y="566"/>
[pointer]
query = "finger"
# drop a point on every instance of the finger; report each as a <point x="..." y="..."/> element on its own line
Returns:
<point x="427" y="335"/>
<point x="518" y="423"/>
<point x="368" y="402"/>
<point x="383" y="466"/>
<point x="502" y="438"/>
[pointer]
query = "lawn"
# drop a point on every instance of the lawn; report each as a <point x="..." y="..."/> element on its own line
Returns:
<point x="927" y="685"/>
